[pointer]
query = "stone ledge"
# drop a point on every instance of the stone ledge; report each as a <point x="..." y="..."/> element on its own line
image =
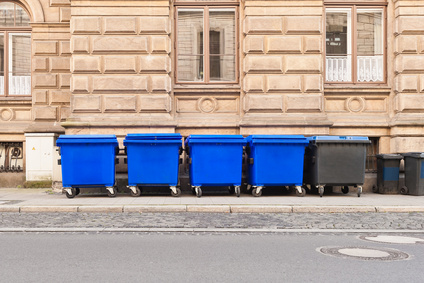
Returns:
<point x="407" y="209"/>
<point x="261" y="209"/>
<point x="209" y="208"/>
<point x="49" y="209"/>
<point x="155" y="208"/>
<point x="333" y="209"/>
<point x="101" y="209"/>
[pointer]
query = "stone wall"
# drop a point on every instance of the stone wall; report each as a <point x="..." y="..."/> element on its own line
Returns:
<point x="407" y="130"/>
<point x="283" y="67"/>
<point x="51" y="63"/>
<point x="120" y="65"/>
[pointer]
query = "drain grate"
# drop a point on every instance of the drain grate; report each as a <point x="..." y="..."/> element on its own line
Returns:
<point x="365" y="253"/>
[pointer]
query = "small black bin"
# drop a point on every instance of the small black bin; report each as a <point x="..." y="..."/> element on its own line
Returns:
<point x="414" y="174"/>
<point x="387" y="174"/>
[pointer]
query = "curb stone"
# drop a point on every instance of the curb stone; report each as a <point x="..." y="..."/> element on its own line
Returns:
<point x="101" y="209"/>
<point x="333" y="209"/>
<point x="212" y="209"/>
<point x="400" y="209"/>
<point x="261" y="209"/>
<point x="155" y="208"/>
<point x="48" y="209"/>
<point x="9" y="209"/>
<point x="209" y="208"/>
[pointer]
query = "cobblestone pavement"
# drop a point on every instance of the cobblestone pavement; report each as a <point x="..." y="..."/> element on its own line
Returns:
<point x="389" y="221"/>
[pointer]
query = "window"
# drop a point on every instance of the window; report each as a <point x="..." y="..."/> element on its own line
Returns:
<point x="15" y="50"/>
<point x="206" y="45"/>
<point x="355" y="48"/>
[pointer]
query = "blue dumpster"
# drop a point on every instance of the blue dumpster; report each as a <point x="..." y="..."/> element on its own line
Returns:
<point x="153" y="160"/>
<point x="335" y="161"/>
<point x="276" y="160"/>
<point x="215" y="160"/>
<point x="88" y="161"/>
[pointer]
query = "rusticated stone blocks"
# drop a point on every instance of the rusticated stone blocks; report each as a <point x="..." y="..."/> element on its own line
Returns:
<point x="283" y="59"/>
<point x="121" y="63"/>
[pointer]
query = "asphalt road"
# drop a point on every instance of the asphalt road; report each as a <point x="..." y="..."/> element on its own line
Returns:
<point x="201" y="257"/>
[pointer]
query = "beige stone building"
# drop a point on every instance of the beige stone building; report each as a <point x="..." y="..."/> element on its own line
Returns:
<point x="311" y="67"/>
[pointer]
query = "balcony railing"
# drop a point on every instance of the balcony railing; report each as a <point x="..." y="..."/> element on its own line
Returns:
<point x="17" y="85"/>
<point x="369" y="68"/>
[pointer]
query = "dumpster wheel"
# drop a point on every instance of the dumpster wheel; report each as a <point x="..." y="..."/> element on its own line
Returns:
<point x="77" y="191"/>
<point x="198" y="191"/>
<point x="111" y="192"/>
<point x="345" y="189"/>
<point x="404" y="190"/>
<point x="237" y="191"/>
<point x="359" y="191"/>
<point x="135" y="191"/>
<point x="321" y="191"/>
<point x="176" y="193"/>
<point x="300" y="193"/>
<point x="70" y="192"/>
<point x="257" y="191"/>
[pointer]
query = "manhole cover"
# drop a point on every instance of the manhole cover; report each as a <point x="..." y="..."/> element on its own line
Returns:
<point x="364" y="253"/>
<point x="393" y="239"/>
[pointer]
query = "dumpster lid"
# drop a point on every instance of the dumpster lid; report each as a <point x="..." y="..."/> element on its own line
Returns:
<point x="215" y="138"/>
<point x="86" y="138"/>
<point x="414" y="154"/>
<point x="161" y="136"/>
<point x="353" y="139"/>
<point x="276" y="139"/>
<point x="389" y="156"/>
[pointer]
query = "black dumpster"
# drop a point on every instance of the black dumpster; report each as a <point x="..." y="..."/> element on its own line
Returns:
<point x="387" y="174"/>
<point x="414" y="174"/>
<point x="335" y="161"/>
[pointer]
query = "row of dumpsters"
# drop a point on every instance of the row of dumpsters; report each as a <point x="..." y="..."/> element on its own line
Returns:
<point x="290" y="161"/>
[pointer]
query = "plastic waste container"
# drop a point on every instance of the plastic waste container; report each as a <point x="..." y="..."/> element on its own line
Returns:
<point x="414" y="174"/>
<point x="387" y="174"/>
<point x="275" y="160"/>
<point x="335" y="161"/>
<point x="215" y="160"/>
<point x="88" y="161"/>
<point x="153" y="160"/>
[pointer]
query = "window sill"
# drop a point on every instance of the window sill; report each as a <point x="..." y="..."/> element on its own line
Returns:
<point x="15" y="99"/>
<point x="369" y="88"/>
<point x="203" y="87"/>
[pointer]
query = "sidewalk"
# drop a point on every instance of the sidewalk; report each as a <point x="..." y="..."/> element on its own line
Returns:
<point x="44" y="200"/>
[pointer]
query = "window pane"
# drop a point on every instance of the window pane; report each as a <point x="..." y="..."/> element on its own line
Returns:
<point x="1" y="64"/>
<point x="338" y="45"/>
<point x="222" y="31"/>
<point x="222" y="68"/>
<point x="190" y="31"/>
<point x="7" y="10"/>
<point x="190" y="42"/>
<point x="22" y="18"/>
<point x="20" y="63"/>
<point x="370" y="45"/>
<point x="190" y="68"/>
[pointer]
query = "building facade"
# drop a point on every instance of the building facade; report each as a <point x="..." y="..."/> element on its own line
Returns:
<point x="327" y="67"/>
